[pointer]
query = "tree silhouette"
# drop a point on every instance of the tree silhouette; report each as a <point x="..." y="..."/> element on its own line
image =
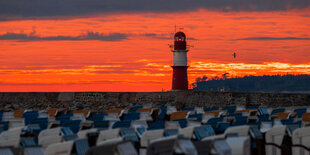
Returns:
<point x="266" y="83"/>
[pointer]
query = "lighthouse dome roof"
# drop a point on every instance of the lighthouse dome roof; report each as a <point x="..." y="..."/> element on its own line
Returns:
<point x="180" y="34"/>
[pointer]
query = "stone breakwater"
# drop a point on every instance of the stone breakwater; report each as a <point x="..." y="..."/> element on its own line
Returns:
<point x="108" y="100"/>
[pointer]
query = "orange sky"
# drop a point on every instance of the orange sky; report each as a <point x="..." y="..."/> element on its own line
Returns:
<point x="265" y="43"/>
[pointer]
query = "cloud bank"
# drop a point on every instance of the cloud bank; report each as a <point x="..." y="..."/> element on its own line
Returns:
<point x="273" y="38"/>
<point x="87" y="36"/>
<point x="48" y="8"/>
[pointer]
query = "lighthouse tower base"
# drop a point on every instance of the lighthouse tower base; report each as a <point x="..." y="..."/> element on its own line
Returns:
<point x="179" y="78"/>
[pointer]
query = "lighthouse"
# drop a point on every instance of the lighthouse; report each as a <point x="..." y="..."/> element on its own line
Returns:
<point x="179" y="77"/>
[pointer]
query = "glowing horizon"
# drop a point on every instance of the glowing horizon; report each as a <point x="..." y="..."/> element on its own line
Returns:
<point x="129" y="51"/>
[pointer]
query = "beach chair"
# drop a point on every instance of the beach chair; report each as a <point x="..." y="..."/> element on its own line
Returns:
<point x="18" y="113"/>
<point x="203" y="131"/>
<point x="301" y="141"/>
<point x="63" y="148"/>
<point x="53" y="135"/>
<point x="80" y="147"/>
<point x="305" y="119"/>
<point x="147" y="137"/>
<point x="241" y="131"/>
<point x="178" y="115"/>
<point x="172" y="125"/>
<point x="85" y="112"/>
<point x="83" y="133"/>
<point x="274" y="139"/>
<point x="122" y="124"/>
<point x="239" y="145"/>
<point x="108" y="134"/>
<point x="161" y="146"/>
<point x="156" y="125"/>
<point x="300" y="111"/>
<point x="139" y="124"/>
<point x="221" y="147"/>
<point x="187" y="132"/>
<point x="33" y="151"/>
<point x="11" y="137"/>
<point x="52" y="112"/>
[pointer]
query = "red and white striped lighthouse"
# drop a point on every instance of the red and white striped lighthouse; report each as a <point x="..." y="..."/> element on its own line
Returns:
<point x="179" y="78"/>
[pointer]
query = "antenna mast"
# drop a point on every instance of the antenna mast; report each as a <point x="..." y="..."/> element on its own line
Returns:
<point x="175" y="28"/>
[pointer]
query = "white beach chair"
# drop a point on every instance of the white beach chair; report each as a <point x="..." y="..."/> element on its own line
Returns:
<point x="301" y="141"/>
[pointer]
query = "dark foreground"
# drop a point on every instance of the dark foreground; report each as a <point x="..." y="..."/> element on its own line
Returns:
<point x="153" y="129"/>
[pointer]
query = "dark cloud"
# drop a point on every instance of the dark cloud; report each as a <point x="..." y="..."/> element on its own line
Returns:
<point x="150" y="35"/>
<point x="50" y="8"/>
<point x="273" y="38"/>
<point x="87" y="36"/>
